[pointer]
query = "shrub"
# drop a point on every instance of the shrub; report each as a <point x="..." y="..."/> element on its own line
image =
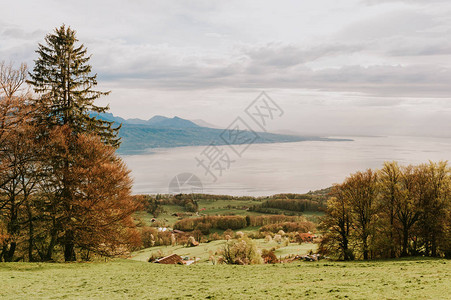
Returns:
<point x="155" y="255"/>
<point x="228" y="234"/>
<point x="148" y="235"/>
<point x="214" y="236"/>
<point x="269" y="257"/>
<point x="240" y="252"/>
<point x="204" y="228"/>
<point x="191" y="242"/>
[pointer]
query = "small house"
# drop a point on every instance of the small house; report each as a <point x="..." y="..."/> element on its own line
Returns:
<point x="172" y="259"/>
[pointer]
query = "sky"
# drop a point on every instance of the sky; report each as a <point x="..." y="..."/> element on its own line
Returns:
<point x="349" y="67"/>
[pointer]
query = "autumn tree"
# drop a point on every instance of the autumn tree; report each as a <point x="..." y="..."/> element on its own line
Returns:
<point x="99" y="211"/>
<point x="407" y="204"/>
<point x="337" y="224"/>
<point x="435" y="187"/>
<point x="62" y="78"/>
<point x="19" y="152"/>
<point x="11" y="104"/>
<point x="360" y="189"/>
<point x="151" y="204"/>
<point x="390" y="197"/>
<point x="102" y="202"/>
<point x="396" y="211"/>
<point x="444" y="244"/>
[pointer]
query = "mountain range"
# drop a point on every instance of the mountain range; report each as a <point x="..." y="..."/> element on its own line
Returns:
<point x="140" y="136"/>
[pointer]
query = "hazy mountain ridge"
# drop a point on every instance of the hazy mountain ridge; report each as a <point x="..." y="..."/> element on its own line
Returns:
<point x="138" y="136"/>
<point x="155" y="121"/>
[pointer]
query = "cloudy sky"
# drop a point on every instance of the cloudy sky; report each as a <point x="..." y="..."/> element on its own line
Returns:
<point x="354" y="67"/>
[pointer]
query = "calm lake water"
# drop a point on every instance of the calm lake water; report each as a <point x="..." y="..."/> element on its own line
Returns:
<point x="266" y="169"/>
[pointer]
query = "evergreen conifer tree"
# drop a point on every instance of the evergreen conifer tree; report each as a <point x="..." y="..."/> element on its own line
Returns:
<point x="62" y="77"/>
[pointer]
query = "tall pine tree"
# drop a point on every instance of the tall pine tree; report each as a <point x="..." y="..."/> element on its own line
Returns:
<point x="63" y="80"/>
<point x="62" y="77"/>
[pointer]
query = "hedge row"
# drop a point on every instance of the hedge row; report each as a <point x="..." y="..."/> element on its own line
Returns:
<point x="232" y="222"/>
<point x="301" y="227"/>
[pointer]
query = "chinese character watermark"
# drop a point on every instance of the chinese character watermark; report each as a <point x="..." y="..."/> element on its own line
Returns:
<point x="214" y="160"/>
<point x="262" y="110"/>
<point x="238" y="136"/>
<point x="185" y="183"/>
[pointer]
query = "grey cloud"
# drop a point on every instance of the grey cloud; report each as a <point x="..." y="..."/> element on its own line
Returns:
<point x="17" y="33"/>
<point x="423" y="2"/>
<point x="428" y="46"/>
<point x="289" y="55"/>
<point x="173" y="49"/>
<point x="260" y="67"/>
<point x="400" y="22"/>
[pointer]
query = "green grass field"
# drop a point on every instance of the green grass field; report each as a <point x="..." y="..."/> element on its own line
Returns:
<point x="413" y="278"/>
<point x="204" y="250"/>
<point x="215" y="207"/>
<point x="127" y="279"/>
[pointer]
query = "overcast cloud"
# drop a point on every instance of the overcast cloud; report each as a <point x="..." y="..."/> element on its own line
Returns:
<point x="336" y="67"/>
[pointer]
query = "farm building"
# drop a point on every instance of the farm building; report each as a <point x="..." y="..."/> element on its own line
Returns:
<point x="172" y="259"/>
<point x="175" y="259"/>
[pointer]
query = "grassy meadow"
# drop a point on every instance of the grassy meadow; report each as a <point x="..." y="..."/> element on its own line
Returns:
<point x="204" y="250"/>
<point x="135" y="278"/>
<point x="122" y="279"/>
<point x="217" y="207"/>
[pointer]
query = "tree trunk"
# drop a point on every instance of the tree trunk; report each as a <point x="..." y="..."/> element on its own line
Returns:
<point x="9" y="254"/>
<point x="405" y="237"/>
<point x="433" y="246"/>
<point x="345" y="249"/>
<point x="30" y="232"/>
<point x="12" y="230"/>
<point x="69" y="247"/>
<point x="365" y="248"/>
<point x="51" y="246"/>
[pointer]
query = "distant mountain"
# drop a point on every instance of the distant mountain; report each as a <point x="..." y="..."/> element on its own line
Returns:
<point x="156" y="121"/>
<point x="108" y="117"/>
<point x="175" y="122"/>
<point x="138" y="136"/>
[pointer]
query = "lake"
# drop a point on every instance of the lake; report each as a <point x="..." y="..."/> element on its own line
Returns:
<point x="266" y="169"/>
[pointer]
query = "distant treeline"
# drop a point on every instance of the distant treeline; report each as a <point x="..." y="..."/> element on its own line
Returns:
<point x="300" y="226"/>
<point x="319" y="196"/>
<point x="231" y="222"/>
<point x="292" y="203"/>
<point x="312" y="201"/>
<point x="169" y="198"/>
<point x="298" y="205"/>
